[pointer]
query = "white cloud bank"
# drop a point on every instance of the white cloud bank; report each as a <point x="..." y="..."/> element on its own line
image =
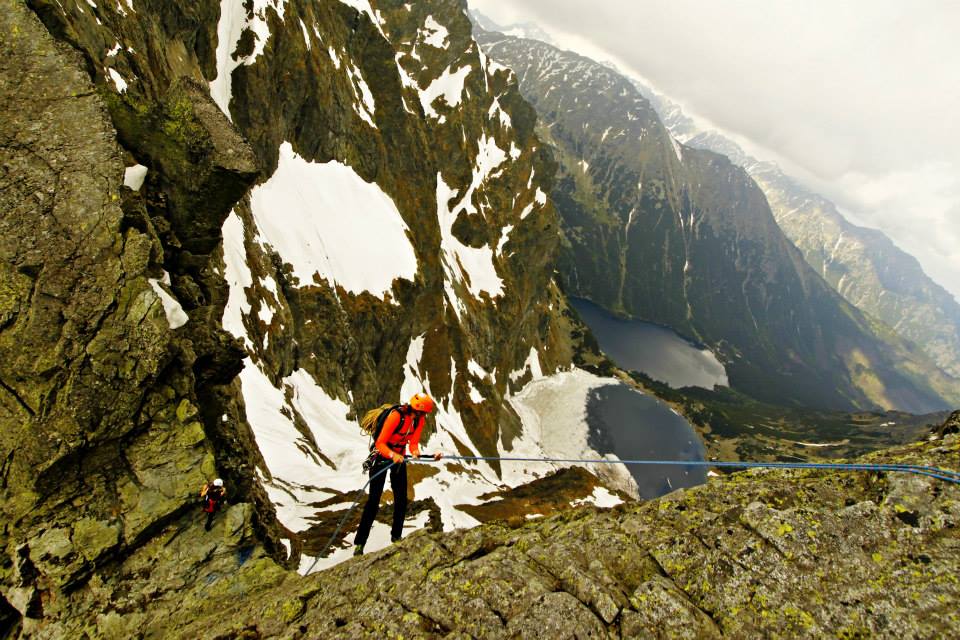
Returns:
<point x="856" y="99"/>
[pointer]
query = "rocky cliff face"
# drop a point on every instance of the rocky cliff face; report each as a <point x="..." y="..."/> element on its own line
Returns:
<point x="399" y="239"/>
<point x="759" y="554"/>
<point x="862" y="264"/>
<point x="227" y="228"/>
<point x="679" y="236"/>
<point x="104" y="441"/>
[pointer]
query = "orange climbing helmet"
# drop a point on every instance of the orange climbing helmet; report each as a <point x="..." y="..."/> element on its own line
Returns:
<point x="421" y="402"/>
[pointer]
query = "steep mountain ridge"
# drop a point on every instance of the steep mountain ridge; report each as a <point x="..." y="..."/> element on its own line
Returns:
<point x="750" y="555"/>
<point x="862" y="264"/>
<point x="180" y="300"/>
<point x="767" y="553"/>
<point x="679" y="236"/>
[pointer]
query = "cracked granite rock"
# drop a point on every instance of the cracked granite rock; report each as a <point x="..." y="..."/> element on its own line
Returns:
<point x="764" y="553"/>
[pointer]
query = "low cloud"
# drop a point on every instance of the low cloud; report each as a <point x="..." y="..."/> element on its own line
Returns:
<point x="859" y="99"/>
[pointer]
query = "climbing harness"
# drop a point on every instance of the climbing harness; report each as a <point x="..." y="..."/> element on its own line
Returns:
<point x="933" y="472"/>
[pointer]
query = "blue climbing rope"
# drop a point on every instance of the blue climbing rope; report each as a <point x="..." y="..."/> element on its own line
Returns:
<point x="933" y="472"/>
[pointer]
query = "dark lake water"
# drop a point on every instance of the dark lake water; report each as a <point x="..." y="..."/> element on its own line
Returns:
<point x="635" y="426"/>
<point x="654" y="350"/>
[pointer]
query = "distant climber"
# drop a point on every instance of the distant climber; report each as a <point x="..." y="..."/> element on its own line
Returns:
<point x="397" y="427"/>
<point x="212" y="495"/>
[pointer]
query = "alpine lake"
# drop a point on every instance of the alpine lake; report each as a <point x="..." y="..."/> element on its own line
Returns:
<point x="634" y="425"/>
<point x="637" y="426"/>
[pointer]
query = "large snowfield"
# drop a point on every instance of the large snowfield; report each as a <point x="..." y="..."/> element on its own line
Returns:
<point x="327" y="222"/>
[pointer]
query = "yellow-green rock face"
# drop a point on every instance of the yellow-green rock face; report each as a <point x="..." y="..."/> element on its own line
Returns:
<point x="755" y="554"/>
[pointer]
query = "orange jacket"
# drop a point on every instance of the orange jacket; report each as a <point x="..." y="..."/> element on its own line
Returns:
<point x="401" y="428"/>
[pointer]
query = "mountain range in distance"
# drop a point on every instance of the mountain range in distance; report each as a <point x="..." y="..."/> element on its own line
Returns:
<point x="903" y="307"/>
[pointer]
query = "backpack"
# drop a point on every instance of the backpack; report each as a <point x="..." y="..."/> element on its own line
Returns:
<point x="372" y="421"/>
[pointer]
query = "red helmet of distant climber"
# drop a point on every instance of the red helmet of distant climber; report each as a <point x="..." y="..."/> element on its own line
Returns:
<point x="421" y="402"/>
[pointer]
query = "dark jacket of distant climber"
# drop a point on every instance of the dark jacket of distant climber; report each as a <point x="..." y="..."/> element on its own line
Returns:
<point x="212" y="496"/>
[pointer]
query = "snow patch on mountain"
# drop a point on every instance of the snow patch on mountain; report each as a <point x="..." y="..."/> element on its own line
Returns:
<point x="531" y="365"/>
<point x="496" y="112"/>
<point x="118" y="80"/>
<point x="601" y="497"/>
<point x="677" y="149"/>
<point x="233" y="22"/>
<point x="134" y="176"/>
<point x="489" y="157"/>
<point x="449" y="86"/>
<point x="326" y="221"/>
<point x="366" y="108"/>
<point x="334" y="57"/>
<point x="306" y="36"/>
<point x="505" y="234"/>
<point x="238" y="277"/>
<point x="176" y="316"/>
<point x="433" y="33"/>
<point x="295" y="475"/>
<point x="471" y="266"/>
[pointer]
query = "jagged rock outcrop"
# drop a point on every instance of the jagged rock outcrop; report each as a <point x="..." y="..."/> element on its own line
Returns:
<point x="103" y="444"/>
<point x="764" y="553"/>
<point x="667" y="233"/>
<point x="952" y="425"/>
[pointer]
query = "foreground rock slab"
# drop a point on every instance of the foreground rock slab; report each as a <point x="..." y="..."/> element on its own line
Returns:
<point x="757" y="554"/>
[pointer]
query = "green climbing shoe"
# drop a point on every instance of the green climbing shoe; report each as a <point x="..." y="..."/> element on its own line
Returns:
<point x="358" y="550"/>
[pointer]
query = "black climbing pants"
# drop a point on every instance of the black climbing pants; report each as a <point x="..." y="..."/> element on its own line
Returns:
<point x="214" y="507"/>
<point x="398" y="484"/>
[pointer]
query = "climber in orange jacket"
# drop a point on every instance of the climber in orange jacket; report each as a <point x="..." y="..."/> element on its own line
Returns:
<point x="401" y="429"/>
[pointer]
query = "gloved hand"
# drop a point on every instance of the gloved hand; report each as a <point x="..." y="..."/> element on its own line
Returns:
<point x="437" y="455"/>
<point x="397" y="458"/>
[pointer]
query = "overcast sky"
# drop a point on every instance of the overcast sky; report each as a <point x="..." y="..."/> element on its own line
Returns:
<point x="858" y="99"/>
